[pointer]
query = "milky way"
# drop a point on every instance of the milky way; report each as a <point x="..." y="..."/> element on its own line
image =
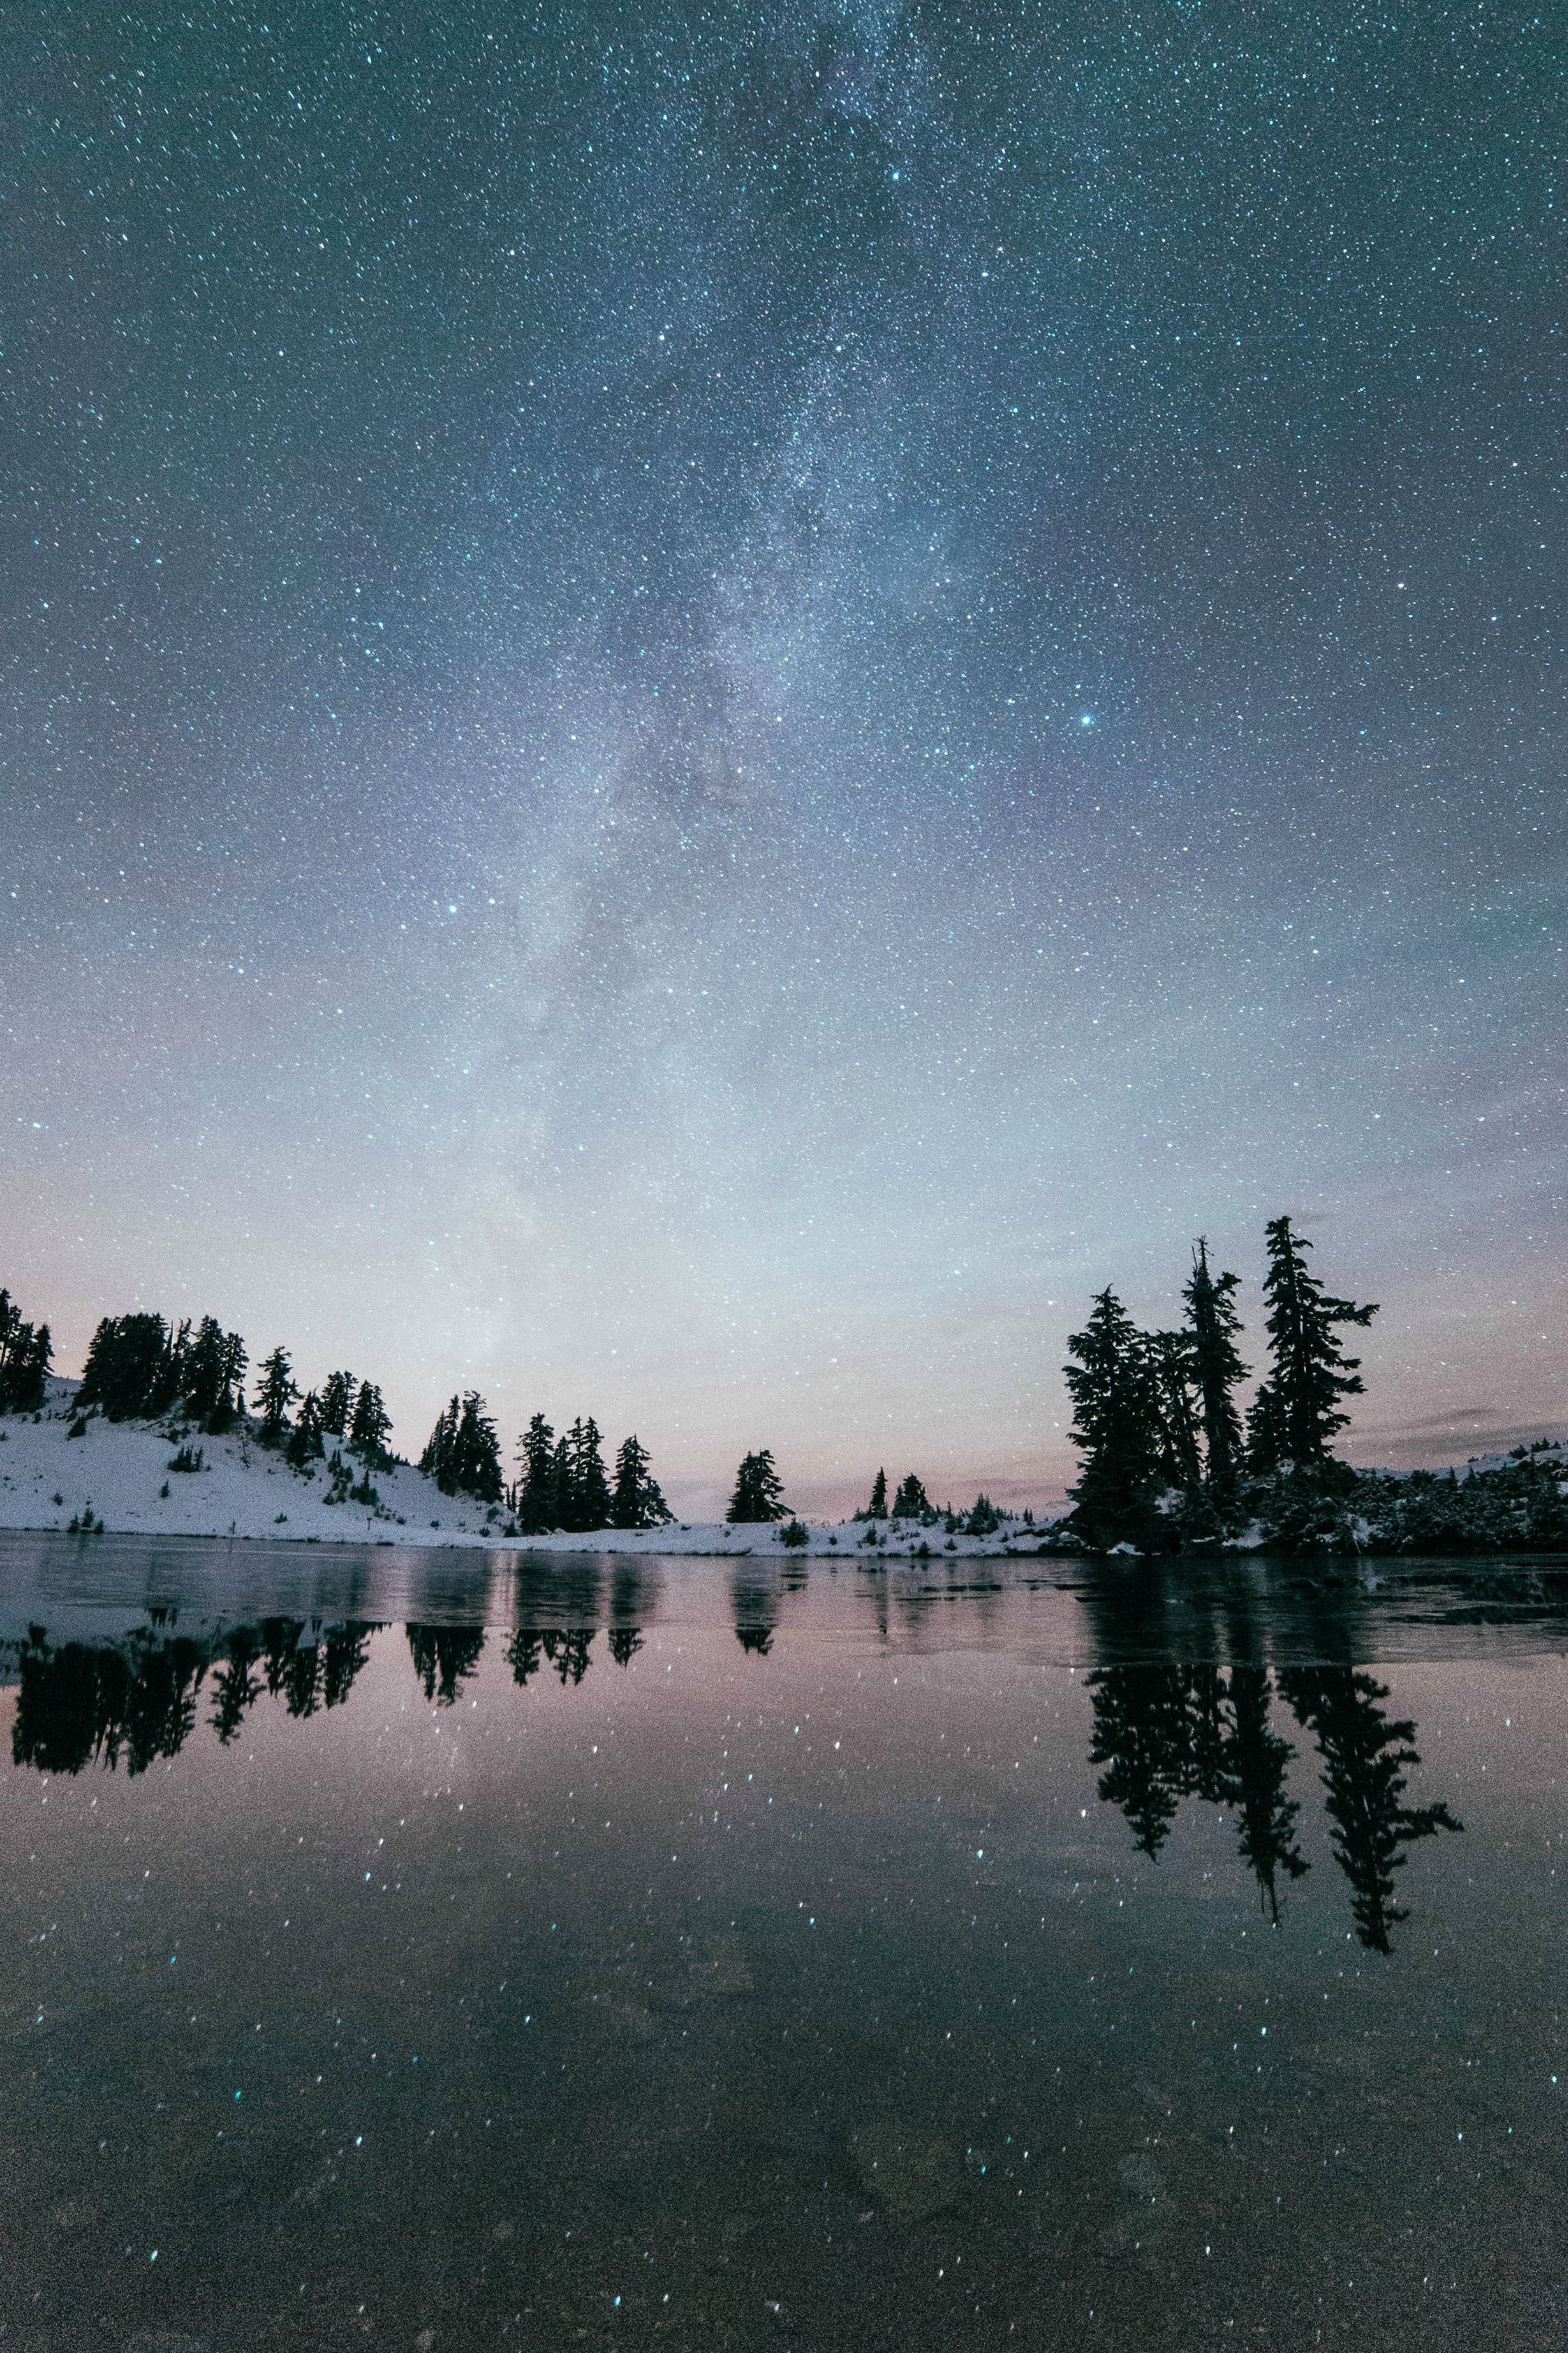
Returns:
<point x="709" y="706"/>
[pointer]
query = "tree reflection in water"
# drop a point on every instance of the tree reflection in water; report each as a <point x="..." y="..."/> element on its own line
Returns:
<point x="1164" y="1733"/>
<point x="1165" y="1727"/>
<point x="1363" y="1758"/>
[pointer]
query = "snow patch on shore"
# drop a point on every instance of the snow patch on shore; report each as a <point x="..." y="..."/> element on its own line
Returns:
<point x="119" y="1472"/>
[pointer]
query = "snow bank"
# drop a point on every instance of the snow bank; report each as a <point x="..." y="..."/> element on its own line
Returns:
<point x="122" y="1473"/>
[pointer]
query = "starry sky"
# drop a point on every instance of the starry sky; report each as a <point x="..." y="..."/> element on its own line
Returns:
<point x="709" y="705"/>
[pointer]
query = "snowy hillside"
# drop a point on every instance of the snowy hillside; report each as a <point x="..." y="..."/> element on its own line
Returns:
<point x="123" y="1475"/>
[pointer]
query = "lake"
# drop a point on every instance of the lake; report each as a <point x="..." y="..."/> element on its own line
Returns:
<point x="445" y="1951"/>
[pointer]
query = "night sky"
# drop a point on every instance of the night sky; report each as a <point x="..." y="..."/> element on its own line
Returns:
<point x="708" y="706"/>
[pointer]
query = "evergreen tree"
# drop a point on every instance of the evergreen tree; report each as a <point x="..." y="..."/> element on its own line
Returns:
<point x="1214" y="1325"/>
<point x="440" y="1449"/>
<point x="338" y="1403"/>
<point x="125" y="1365"/>
<point x="759" y="1491"/>
<point x="876" y="1509"/>
<point x="463" y="1453"/>
<point x="32" y="1372"/>
<point x="478" y="1455"/>
<point x="276" y="1394"/>
<point x="560" y="1469"/>
<point x="11" y="1330"/>
<point x="638" y="1501"/>
<point x="590" y="1485"/>
<point x="912" y="1502"/>
<point x="537" y="1505"/>
<point x="26" y="1355"/>
<point x="305" y="1438"/>
<point x="168" y="1382"/>
<point x="1297" y="1412"/>
<point x="231" y="1385"/>
<point x="200" y="1377"/>
<point x="370" y="1426"/>
<point x="1170" y="1375"/>
<point x="1117" y="1427"/>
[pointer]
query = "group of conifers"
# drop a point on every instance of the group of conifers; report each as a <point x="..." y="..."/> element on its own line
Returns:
<point x="1156" y="1416"/>
<point x="1155" y="1413"/>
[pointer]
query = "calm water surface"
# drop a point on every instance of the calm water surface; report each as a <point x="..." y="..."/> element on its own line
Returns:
<point x="414" y="1950"/>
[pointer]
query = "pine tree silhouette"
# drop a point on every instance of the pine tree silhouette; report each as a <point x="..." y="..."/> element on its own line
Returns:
<point x="276" y="1392"/>
<point x="538" y="1506"/>
<point x="370" y="1427"/>
<point x="462" y="1454"/>
<point x="1172" y="1381"/>
<point x="1217" y="1367"/>
<point x="1116" y="1427"/>
<point x="759" y="1491"/>
<point x="305" y="1438"/>
<point x="338" y="1403"/>
<point x="638" y="1501"/>
<point x="1297" y="1412"/>
<point x="590" y="1485"/>
<point x="912" y="1502"/>
<point x="26" y="1355"/>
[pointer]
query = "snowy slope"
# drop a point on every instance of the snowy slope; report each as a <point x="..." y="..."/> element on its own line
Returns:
<point x="119" y="1470"/>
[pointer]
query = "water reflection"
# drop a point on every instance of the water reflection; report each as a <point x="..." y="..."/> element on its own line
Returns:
<point x="1364" y="1755"/>
<point x="1165" y="1728"/>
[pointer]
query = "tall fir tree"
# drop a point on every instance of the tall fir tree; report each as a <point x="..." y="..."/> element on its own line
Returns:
<point x="1217" y="1367"/>
<point x="876" y="1509"/>
<point x="33" y="1371"/>
<point x="338" y="1403"/>
<point x="583" y="1489"/>
<point x="370" y="1426"/>
<point x="274" y="1393"/>
<point x="912" y="1502"/>
<point x="305" y="1438"/>
<point x="462" y="1454"/>
<point x="1297" y="1412"/>
<point x="168" y="1379"/>
<point x="25" y="1353"/>
<point x="1171" y="1375"/>
<point x="125" y="1363"/>
<point x="537" y="1502"/>
<point x="1116" y="1427"/>
<point x="440" y="1449"/>
<point x="637" y="1501"/>
<point x="478" y="1453"/>
<point x="759" y="1490"/>
<point x="201" y="1376"/>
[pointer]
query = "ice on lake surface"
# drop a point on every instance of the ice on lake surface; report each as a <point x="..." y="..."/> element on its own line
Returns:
<point x="441" y="1952"/>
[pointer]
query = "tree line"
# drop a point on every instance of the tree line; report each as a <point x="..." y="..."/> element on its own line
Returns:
<point x="1167" y="1454"/>
<point x="27" y="1353"/>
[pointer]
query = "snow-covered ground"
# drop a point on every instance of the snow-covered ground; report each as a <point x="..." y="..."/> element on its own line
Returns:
<point x="122" y="1474"/>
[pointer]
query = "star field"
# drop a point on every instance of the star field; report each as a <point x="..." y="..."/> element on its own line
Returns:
<point x="709" y="705"/>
